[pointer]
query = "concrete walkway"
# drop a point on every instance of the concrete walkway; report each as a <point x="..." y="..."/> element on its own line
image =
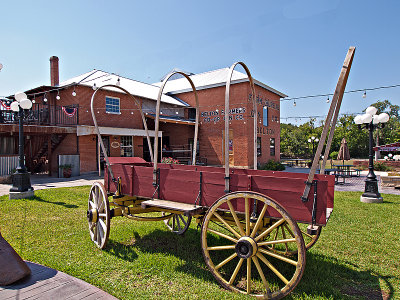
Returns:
<point x="45" y="283"/>
<point x="354" y="184"/>
<point x="40" y="182"/>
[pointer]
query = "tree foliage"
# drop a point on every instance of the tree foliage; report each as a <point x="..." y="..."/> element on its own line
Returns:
<point x="294" y="139"/>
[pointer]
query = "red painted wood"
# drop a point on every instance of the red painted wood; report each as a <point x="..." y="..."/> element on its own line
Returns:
<point x="181" y="183"/>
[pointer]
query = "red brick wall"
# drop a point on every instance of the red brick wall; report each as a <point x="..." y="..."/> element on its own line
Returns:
<point x="212" y="123"/>
<point x="87" y="151"/>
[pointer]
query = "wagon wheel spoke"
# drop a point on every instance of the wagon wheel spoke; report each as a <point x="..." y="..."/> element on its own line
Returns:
<point x="247" y="214"/>
<point x="259" y="220"/>
<point x="222" y="247"/>
<point x="273" y="269"/>
<point x="178" y="222"/>
<point x="224" y="262"/>
<point x="269" y="230"/>
<point x="248" y="281"/>
<point x="235" y="217"/>
<point x="234" y="274"/>
<point x="91" y="204"/>
<point x="98" y="215"/>
<point x="182" y="219"/>
<point x="222" y="235"/>
<point x="283" y="258"/>
<point x="261" y="273"/>
<point x="250" y="240"/>
<point x="227" y="225"/>
<point x="284" y="238"/>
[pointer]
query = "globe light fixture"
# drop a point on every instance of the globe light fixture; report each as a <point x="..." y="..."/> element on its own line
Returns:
<point x="370" y="121"/>
<point x="21" y="178"/>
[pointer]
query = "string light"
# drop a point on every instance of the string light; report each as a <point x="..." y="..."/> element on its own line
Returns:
<point x="94" y="86"/>
<point x="74" y="93"/>
<point x="365" y="94"/>
<point x="58" y="95"/>
<point x="327" y="100"/>
<point x="44" y="98"/>
<point x="294" y="103"/>
<point x="118" y="82"/>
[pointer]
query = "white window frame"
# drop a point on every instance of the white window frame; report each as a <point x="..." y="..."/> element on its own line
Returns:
<point x="127" y="147"/>
<point x="113" y="105"/>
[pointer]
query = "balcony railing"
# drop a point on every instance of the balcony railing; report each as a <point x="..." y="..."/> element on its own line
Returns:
<point x="44" y="115"/>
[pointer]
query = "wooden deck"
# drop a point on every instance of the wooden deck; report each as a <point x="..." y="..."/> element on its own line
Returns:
<point x="46" y="283"/>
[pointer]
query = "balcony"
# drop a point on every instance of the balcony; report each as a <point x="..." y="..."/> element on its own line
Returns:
<point x="44" y="115"/>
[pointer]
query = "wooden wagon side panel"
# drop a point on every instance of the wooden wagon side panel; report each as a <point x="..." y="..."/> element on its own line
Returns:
<point x="179" y="185"/>
<point x="288" y="191"/>
<point x="330" y="179"/>
<point x="123" y="171"/>
<point x="142" y="184"/>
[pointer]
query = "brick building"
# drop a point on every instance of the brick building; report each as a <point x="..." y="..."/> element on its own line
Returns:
<point x="60" y="124"/>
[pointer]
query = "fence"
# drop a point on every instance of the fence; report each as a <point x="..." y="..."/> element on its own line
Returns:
<point x="41" y="114"/>
<point x="7" y="164"/>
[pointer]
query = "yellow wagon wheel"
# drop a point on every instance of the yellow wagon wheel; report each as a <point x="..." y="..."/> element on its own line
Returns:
<point x="236" y="252"/>
<point x="283" y="231"/>
<point x="178" y="223"/>
<point x="98" y="215"/>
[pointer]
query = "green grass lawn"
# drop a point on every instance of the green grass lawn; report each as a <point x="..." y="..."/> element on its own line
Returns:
<point x="356" y="257"/>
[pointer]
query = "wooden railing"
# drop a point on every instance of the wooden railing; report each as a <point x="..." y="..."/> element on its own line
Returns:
<point x="44" y="115"/>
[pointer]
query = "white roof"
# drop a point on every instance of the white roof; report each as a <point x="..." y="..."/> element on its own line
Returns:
<point x="209" y="80"/>
<point x="134" y="87"/>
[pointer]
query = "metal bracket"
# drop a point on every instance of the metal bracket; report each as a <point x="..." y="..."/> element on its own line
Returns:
<point x="314" y="209"/>
<point x="157" y="184"/>
<point x="305" y="199"/>
<point x="200" y="190"/>
<point x="227" y="183"/>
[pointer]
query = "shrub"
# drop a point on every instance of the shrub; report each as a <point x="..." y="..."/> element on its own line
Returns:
<point x="169" y="160"/>
<point x="380" y="166"/>
<point x="333" y="155"/>
<point x="273" y="165"/>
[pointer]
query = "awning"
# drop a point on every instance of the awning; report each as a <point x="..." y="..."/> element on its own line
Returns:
<point x="388" y="147"/>
<point x="171" y="119"/>
<point x="88" y="130"/>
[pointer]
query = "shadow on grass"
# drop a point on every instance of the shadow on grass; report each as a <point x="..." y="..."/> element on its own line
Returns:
<point x="39" y="199"/>
<point x="322" y="276"/>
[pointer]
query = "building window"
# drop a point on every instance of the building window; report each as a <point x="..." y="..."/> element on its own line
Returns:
<point x="272" y="146"/>
<point x="259" y="146"/>
<point x="112" y="105"/>
<point x="126" y="146"/>
<point x="265" y="116"/>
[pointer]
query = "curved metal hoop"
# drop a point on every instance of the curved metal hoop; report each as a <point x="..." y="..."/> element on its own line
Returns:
<point x="157" y="122"/>
<point x="227" y="88"/>
<point x="98" y="130"/>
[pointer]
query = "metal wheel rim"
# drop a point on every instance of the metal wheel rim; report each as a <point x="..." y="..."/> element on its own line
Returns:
<point x="259" y="259"/>
<point x="178" y="223"/>
<point x="309" y="240"/>
<point x="100" y="229"/>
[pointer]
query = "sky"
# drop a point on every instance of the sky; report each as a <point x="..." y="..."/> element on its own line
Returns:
<point x="296" y="47"/>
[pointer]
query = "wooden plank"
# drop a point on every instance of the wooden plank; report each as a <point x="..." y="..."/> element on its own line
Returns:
<point x="172" y="205"/>
<point x="46" y="283"/>
<point x="335" y="105"/>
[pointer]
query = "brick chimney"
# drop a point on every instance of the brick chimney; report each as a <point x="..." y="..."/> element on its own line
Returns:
<point x="54" y="75"/>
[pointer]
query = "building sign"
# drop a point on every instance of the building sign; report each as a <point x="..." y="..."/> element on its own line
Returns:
<point x="216" y="115"/>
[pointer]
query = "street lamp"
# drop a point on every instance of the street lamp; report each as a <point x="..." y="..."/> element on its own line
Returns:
<point x="370" y="120"/>
<point x="313" y="140"/>
<point x="21" y="179"/>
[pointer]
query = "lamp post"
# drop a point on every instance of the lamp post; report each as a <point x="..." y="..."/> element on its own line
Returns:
<point x="313" y="140"/>
<point x="21" y="178"/>
<point x="370" y="120"/>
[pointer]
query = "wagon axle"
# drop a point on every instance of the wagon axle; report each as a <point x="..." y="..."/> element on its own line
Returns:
<point x="246" y="247"/>
<point x="92" y="215"/>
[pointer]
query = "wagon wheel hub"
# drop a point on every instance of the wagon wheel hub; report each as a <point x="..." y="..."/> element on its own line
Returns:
<point x="92" y="215"/>
<point x="246" y="247"/>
